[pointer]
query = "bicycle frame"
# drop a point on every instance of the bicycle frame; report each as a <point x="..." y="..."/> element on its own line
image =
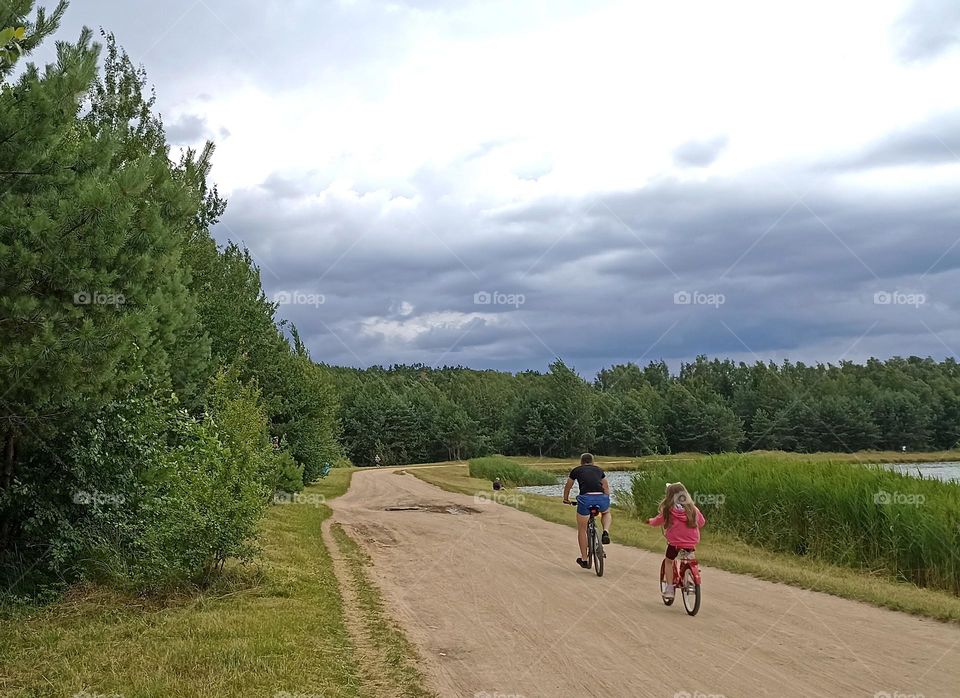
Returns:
<point x="688" y="561"/>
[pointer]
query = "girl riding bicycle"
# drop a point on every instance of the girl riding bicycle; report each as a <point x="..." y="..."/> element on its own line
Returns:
<point x="681" y="522"/>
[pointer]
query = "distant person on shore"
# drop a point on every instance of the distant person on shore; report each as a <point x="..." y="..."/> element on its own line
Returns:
<point x="681" y="521"/>
<point x="594" y="491"/>
<point x="376" y="460"/>
<point x="497" y="485"/>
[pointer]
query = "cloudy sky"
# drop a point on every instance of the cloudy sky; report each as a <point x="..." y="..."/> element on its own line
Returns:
<point x="495" y="183"/>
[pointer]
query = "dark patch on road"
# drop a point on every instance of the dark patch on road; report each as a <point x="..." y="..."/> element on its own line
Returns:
<point x="455" y="509"/>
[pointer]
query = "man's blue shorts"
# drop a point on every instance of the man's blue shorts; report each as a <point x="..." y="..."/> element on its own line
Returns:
<point x="585" y="501"/>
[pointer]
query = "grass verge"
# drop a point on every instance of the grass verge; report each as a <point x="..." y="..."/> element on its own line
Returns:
<point x="267" y="628"/>
<point x="725" y="552"/>
<point x="395" y="653"/>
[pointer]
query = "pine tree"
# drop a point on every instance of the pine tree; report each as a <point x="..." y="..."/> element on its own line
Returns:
<point x="19" y="34"/>
<point x="93" y="299"/>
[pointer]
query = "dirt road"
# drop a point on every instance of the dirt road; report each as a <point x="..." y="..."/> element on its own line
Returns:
<point x="497" y="607"/>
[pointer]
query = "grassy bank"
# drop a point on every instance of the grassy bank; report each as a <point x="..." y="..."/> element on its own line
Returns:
<point x="862" y="517"/>
<point x="274" y="626"/>
<point x="724" y="551"/>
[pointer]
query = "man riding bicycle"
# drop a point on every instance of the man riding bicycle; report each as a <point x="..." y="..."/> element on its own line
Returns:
<point x="594" y="492"/>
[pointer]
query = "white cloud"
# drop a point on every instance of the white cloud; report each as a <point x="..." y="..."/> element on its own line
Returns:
<point x="408" y="330"/>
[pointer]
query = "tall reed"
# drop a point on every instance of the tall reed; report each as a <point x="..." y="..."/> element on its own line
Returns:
<point x="861" y="516"/>
<point x="510" y="472"/>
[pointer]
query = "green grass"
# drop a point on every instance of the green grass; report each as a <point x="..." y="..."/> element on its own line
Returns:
<point x="394" y="651"/>
<point x="854" y="515"/>
<point x="273" y="626"/>
<point x="724" y="551"/>
<point x="509" y="471"/>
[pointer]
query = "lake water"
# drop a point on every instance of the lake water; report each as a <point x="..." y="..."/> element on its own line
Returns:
<point x="620" y="480"/>
<point x="941" y="471"/>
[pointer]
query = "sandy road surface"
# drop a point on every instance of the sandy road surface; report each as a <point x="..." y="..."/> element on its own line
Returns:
<point x="497" y="607"/>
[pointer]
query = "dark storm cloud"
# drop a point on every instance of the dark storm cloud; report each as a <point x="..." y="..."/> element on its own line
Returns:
<point x="928" y="28"/>
<point x="699" y="153"/>
<point x="936" y="140"/>
<point x="599" y="276"/>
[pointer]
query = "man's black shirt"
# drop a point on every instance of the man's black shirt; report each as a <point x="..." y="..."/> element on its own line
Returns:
<point x="589" y="477"/>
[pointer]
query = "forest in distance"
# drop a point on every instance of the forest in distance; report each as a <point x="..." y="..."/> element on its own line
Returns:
<point x="410" y="414"/>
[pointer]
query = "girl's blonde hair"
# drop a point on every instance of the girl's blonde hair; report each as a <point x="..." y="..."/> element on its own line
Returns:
<point x="676" y="493"/>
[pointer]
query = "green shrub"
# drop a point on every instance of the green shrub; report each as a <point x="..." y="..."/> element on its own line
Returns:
<point x="205" y="509"/>
<point x="151" y="497"/>
<point x="510" y="472"/>
<point x="860" y="516"/>
<point x="289" y="473"/>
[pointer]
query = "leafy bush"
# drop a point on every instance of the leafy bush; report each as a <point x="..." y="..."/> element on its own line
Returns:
<point x="854" y="515"/>
<point x="510" y="472"/>
<point x="150" y="497"/>
<point x="206" y="508"/>
<point x="289" y="473"/>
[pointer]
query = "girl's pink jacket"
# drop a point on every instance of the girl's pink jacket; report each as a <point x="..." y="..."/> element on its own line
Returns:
<point x="678" y="533"/>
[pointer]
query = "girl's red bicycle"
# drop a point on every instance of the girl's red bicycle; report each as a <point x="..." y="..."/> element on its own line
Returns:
<point x="686" y="578"/>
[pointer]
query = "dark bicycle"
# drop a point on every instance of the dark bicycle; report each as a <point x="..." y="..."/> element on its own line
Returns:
<point x="595" y="552"/>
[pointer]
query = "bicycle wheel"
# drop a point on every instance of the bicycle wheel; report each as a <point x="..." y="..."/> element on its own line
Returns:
<point x="691" y="592"/>
<point x="667" y="600"/>
<point x="598" y="550"/>
<point x="591" y="553"/>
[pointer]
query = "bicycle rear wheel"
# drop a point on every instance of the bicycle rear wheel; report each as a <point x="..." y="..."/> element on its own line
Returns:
<point x="667" y="600"/>
<point x="691" y="592"/>
<point x="598" y="552"/>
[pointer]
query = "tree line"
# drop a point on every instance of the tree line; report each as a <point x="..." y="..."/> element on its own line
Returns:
<point x="151" y="403"/>
<point x="417" y="413"/>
